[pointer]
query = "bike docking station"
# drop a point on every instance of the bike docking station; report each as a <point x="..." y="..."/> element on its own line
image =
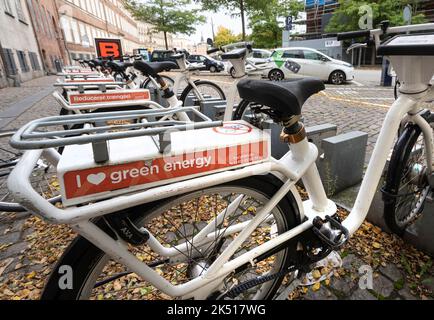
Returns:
<point x="104" y="158"/>
<point x="90" y="96"/>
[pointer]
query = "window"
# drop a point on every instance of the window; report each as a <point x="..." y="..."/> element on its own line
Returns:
<point x="311" y="55"/>
<point x="296" y="54"/>
<point x="20" y="12"/>
<point x="34" y="61"/>
<point x="23" y="61"/>
<point x="8" y="8"/>
<point x="10" y="65"/>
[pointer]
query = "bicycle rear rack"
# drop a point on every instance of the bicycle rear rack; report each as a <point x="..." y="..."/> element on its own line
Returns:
<point x="95" y="128"/>
<point x="79" y="74"/>
<point x="83" y="86"/>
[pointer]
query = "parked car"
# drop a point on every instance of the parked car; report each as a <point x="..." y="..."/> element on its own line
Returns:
<point x="165" y="55"/>
<point x="206" y="63"/>
<point x="162" y="55"/>
<point x="260" y="56"/>
<point x="306" y="62"/>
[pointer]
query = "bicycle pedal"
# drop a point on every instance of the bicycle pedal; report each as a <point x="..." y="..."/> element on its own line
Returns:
<point x="127" y="230"/>
<point x="330" y="231"/>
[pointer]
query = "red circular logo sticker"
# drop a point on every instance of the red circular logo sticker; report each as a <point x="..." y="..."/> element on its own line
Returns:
<point x="233" y="129"/>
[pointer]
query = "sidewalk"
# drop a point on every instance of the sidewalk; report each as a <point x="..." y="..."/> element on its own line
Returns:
<point x="14" y="101"/>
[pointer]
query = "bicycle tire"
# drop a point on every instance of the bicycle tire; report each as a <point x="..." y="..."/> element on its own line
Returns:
<point x="253" y="119"/>
<point x="397" y="170"/>
<point x="84" y="257"/>
<point x="199" y="83"/>
<point x="145" y="84"/>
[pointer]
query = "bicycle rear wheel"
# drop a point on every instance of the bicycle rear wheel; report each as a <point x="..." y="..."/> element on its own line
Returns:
<point x="175" y="221"/>
<point x="206" y="89"/>
<point x="251" y="112"/>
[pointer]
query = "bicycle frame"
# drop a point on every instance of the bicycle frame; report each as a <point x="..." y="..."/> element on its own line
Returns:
<point x="297" y="164"/>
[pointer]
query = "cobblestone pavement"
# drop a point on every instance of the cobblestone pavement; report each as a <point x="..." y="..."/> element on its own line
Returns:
<point x="349" y="107"/>
<point x="11" y="95"/>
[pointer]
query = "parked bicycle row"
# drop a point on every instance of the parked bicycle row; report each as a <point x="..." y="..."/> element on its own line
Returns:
<point x="202" y="199"/>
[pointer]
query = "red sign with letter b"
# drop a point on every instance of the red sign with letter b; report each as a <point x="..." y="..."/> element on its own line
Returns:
<point x="109" y="48"/>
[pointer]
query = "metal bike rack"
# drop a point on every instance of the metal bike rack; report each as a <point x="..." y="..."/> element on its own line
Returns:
<point x="95" y="129"/>
<point x="83" y="86"/>
<point x="92" y="106"/>
<point x="79" y="75"/>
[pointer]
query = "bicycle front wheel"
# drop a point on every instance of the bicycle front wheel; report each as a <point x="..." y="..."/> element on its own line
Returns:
<point x="406" y="185"/>
<point x="43" y="177"/>
<point x="177" y="220"/>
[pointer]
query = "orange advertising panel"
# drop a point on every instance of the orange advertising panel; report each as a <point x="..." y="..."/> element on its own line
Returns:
<point x="109" y="178"/>
<point x="115" y="96"/>
<point x="79" y="71"/>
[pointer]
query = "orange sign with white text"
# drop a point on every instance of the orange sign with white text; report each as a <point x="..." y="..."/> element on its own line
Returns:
<point x="91" y="181"/>
<point x="114" y="96"/>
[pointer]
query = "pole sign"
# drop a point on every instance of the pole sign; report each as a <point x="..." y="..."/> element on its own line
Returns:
<point x="109" y="47"/>
<point x="288" y="23"/>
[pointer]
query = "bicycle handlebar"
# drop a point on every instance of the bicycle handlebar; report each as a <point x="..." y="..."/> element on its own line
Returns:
<point x="213" y="50"/>
<point x="353" y="34"/>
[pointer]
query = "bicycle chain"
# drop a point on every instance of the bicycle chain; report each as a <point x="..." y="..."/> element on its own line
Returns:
<point x="253" y="283"/>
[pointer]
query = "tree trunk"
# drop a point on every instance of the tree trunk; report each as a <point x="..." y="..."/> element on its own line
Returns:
<point x="243" y="23"/>
<point x="165" y="40"/>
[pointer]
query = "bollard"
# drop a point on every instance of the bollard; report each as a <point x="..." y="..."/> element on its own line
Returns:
<point x="342" y="163"/>
<point x="213" y="109"/>
<point x="316" y="134"/>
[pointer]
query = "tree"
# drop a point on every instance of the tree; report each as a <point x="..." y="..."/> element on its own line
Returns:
<point x="242" y="7"/>
<point x="347" y="16"/>
<point x="167" y="16"/>
<point x="225" y="36"/>
<point x="266" y="25"/>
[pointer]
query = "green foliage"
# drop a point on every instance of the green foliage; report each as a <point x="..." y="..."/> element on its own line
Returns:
<point x="346" y="17"/>
<point x="167" y="16"/>
<point x="266" y="34"/>
<point x="225" y="36"/>
<point x="236" y="8"/>
<point x="266" y="28"/>
<point x="234" y="5"/>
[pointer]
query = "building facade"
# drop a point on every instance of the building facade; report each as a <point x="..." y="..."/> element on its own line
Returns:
<point x="18" y="46"/>
<point x="84" y="20"/>
<point x="45" y="20"/>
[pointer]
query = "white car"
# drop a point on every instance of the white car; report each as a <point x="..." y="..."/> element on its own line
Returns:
<point x="260" y="56"/>
<point x="295" y="62"/>
<point x="256" y="61"/>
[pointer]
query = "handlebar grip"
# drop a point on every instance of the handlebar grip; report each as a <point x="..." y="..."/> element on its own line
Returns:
<point x="212" y="50"/>
<point x="353" y="34"/>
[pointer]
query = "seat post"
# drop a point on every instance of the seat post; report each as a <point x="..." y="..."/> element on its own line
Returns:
<point x="293" y="130"/>
<point x="295" y="135"/>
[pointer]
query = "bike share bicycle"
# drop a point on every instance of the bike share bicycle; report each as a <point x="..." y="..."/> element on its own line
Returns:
<point x="199" y="228"/>
<point x="83" y="84"/>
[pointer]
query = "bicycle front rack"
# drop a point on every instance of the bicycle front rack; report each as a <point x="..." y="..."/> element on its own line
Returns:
<point x="99" y="128"/>
<point x="83" y="86"/>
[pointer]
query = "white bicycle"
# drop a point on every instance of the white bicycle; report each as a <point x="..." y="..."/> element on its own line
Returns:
<point x="234" y="227"/>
